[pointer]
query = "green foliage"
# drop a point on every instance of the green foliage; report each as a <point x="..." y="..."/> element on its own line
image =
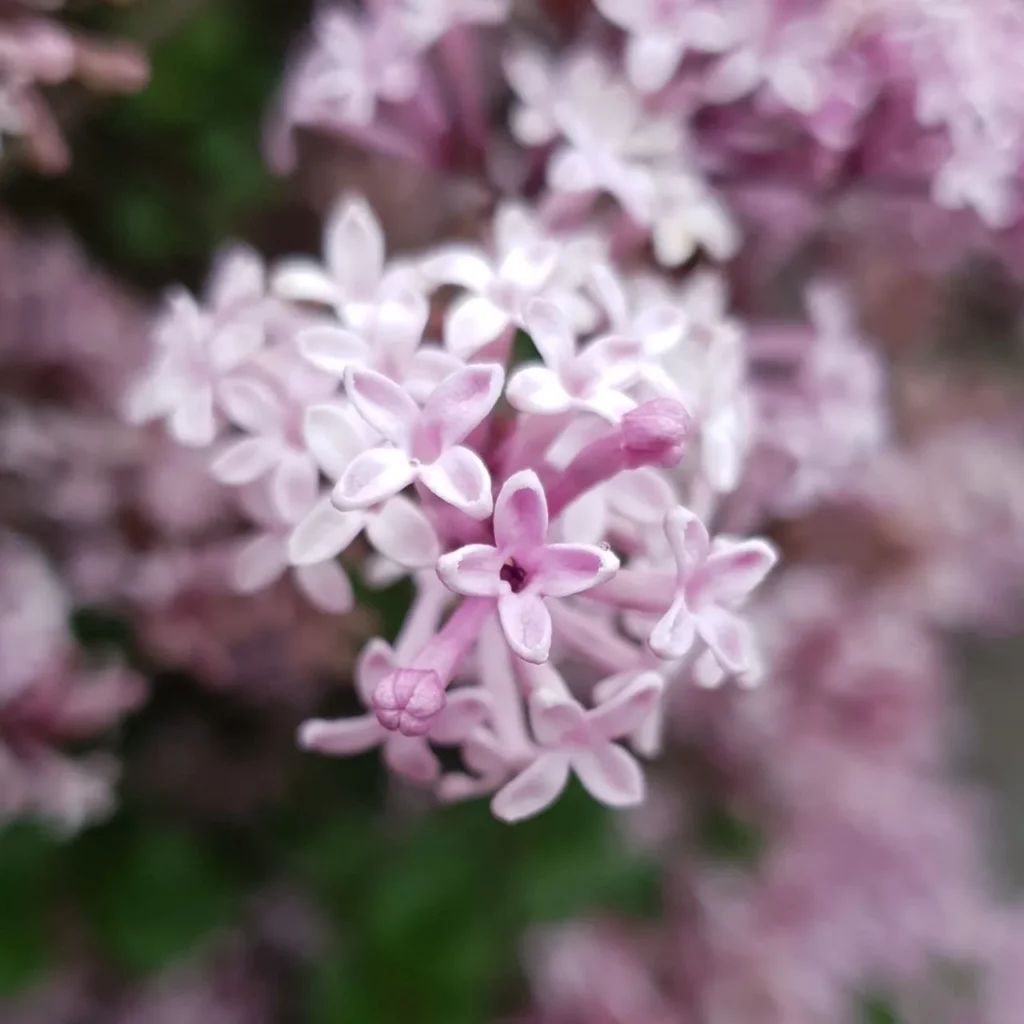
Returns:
<point x="725" y="837"/>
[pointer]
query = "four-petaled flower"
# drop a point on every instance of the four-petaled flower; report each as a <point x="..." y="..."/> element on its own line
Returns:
<point x="711" y="580"/>
<point x="581" y="740"/>
<point x="425" y="443"/>
<point x="521" y="569"/>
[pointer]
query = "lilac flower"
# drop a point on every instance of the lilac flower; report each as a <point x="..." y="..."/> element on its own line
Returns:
<point x="592" y="380"/>
<point x="581" y="741"/>
<point x="198" y="347"/>
<point x="710" y="581"/>
<point x="429" y="20"/>
<point x="408" y="756"/>
<point x="425" y="443"/>
<point x="521" y="569"/>
<point x="661" y="33"/>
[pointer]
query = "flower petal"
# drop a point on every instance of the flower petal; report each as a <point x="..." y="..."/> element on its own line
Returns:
<point x="674" y="632"/>
<point x="610" y="774"/>
<point x="456" y="407"/>
<point x="373" y="476"/>
<point x="521" y="513"/>
<point x="460" y="478"/>
<point x="238" y="276"/>
<point x="251" y="405"/>
<point x="325" y="532"/>
<point x="464" y="710"/>
<point x="688" y="538"/>
<point x="651" y="60"/>
<point x="528" y="267"/>
<point x="342" y="735"/>
<point x="472" y="570"/>
<point x="242" y="462"/>
<point x="629" y="707"/>
<point x="643" y="496"/>
<point x="293" y="485"/>
<point x="299" y="279"/>
<point x="566" y="569"/>
<point x="400" y="531"/>
<point x="728" y="637"/>
<point x="463" y="265"/>
<point x="382" y="403"/>
<point x="332" y="436"/>
<point x="539" y="390"/>
<point x="259" y="563"/>
<point x="533" y="789"/>
<point x="427" y="368"/>
<point x="232" y="343"/>
<point x="411" y="758"/>
<point x="732" y="572"/>
<point x="327" y="586"/>
<point x="550" y="331"/>
<point x="193" y="423"/>
<point x="354" y="249"/>
<point x="376" y="661"/>
<point x="526" y="623"/>
<point x="471" y="323"/>
<point x="554" y="717"/>
<point x="333" y="349"/>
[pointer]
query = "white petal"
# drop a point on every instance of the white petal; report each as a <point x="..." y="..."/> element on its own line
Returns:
<point x="384" y="404"/>
<point x="234" y="342"/>
<point x="526" y="623"/>
<point x="327" y="587"/>
<point x="471" y="323"/>
<point x="333" y="349"/>
<point x="550" y="331"/>
<point x="539" y="390"/>
<point x="237" y="276"/>
<point x="674" y="632"/>
<point x="342" y="735"/>
<point x="325" y="532"/>
<point x="303" y="280"/>
<point x="610" y="774"/>
<point x="192" y="423"/>
<point x="688" y="538"/>
<point x="566" y="569"/>
<point x="251" y="405"/>
<point x="462" y="265"/>
<point x="400" y="531"/>
<point x="259" y="563"/>
<point x="293" y="485"/>
<point x="331" y="436"/>
<point x="242" y="462"/>
<point x="372" y="477"/>
<point x="473" y="570"/>
<point x="533" y="789"/>
<point x="460" y="478"/>
<point x="651" y="61"/>
<point x="354" y="249"/>
<point x="528" y="268"/>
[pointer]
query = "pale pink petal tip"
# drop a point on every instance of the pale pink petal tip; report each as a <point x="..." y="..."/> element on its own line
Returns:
<point x="408" y="700"/>
<point x="655" y="433"/>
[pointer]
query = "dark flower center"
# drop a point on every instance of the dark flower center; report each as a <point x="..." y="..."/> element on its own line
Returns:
<point x="514" y="575"/>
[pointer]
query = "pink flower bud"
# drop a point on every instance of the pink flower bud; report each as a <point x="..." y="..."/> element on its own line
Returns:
<point x="408" y="699"/>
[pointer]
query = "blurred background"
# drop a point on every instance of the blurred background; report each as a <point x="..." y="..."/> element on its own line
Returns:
<point x="172" y="858"/>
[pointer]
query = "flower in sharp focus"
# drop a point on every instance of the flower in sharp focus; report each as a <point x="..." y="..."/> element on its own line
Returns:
<point x="591" y="379"/>
<point x="521" y="568"/>
<point x="425" y="442"/>
<point x="406" y="755"/>
<point x="582" y="741"/>
<point x="711" y="580"/>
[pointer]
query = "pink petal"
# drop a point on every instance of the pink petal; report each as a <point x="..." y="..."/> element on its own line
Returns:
<point x="463" y="712"/>
<point x="237" y="276"/>
<point x="528" y="268"/>
<point x="192" y="423"/>
<point x="327" y="587"/>
<point x="569" y="170"/>
<point x="472" y="570"/>
<point x="661" y="328"/>
<point x="354" y="249"/>
<point x="471" y="323"/>
<point x="427" y="368"/>
<point x="731" y="573"/>
<point x="609" y="362"/>
<point x="688" y="538"/>
<point x="331" y="437"/>
<point x="251" y="405"/>
<point x="411" y="758"/>
<point x="461" y="265"/>
<point x="293" y="485"/>
<point x="674" y="632"/>
<point x="372" y="477"/>
<point x="554" y="717"/>
<point x="521" y="513"/>
<point x="457" y="406"/>
<point x="323" y="533"/>
<point x="382" y="403"/>
<point x="259" y="563"/>
<point x="400" y="531"/>
<point x="526" y="623"/>
<point x="538" y="390"/>
<point x="629" y="708"/>
<point x="533" y="789"/>
<point x="460" y="478"/>
<point x="333" y="349"/>
<point x="566" y="569"/>
<point x="643" y="496"/>
<point x="234" y="342"/>
<point x="299" y="279"/>
<point x="342" y="735"/>
<point x="550" y="332"/>
<point x="375" y="662"/>
<point x="242" y="462"/>
<point x="610" y="774"/>
<point x="398" y="324"/>
<point x="727" y="636"/>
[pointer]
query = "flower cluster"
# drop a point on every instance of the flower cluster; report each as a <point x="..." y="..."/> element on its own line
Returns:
<point x="37" y="51"/>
